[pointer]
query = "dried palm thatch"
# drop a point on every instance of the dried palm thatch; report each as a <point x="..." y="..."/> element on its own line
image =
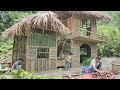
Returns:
<point x="97" y="14"/>
<point x="39" y="20"/>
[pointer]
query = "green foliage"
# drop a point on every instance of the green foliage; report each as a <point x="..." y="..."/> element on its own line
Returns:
<point x="5" y="47"/>
<point x="112" y="31"/>
<point x="7" y="19"/>
<point x="22" y="74"/>
<point x="86" y="61"/>
<point x="112" y="46"/>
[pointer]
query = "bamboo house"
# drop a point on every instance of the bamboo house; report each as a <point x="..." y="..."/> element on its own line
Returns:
<point x="35" y="40"/>
<point x="41" y="39"/>
<point x="83" y="25"/>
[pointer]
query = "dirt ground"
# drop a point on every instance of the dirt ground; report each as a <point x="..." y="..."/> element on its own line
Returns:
<point x="107" y="65"/>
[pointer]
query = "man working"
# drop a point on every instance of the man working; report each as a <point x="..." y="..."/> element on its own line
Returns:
<point x="17" y="63"/>
<point x="96" y="65"/>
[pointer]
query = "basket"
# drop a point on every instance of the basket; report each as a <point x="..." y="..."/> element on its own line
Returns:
<point x="115" y="67"/>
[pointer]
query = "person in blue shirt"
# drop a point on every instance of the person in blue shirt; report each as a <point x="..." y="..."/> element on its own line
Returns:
<point x="16" y="64"/>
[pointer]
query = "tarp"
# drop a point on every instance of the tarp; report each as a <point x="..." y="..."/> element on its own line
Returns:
<point x="86" y="70"/>
<point x="89" y="76"/>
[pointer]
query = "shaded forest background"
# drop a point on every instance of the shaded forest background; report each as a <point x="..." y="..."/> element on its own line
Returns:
<point x="110" y="29"/>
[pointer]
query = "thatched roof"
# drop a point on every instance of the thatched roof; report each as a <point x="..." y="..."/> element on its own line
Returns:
<point x="96" y="14"/>
<point x="39" y="20"/>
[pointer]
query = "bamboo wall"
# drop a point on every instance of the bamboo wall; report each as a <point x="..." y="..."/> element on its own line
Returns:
<point x="42" y="52"/>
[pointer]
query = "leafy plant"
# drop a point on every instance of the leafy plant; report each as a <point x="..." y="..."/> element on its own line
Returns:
<point x="22" y="74"/>
<point x="86" y="61"/>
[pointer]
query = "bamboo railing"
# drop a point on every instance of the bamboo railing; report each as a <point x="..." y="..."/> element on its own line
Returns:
<point x="91" y="35"/>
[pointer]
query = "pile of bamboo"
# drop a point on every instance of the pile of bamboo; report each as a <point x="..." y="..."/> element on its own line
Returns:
<point x="103" y="75"/>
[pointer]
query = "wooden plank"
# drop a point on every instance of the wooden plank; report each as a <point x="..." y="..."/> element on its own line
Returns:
<point x="36" y="65"/>
<point x="49" y="64"/>
<point x="41" y="67"/>
<point x="29" y="66"/>
<point x="42" y="64"/>
<point x="52" y="52"/>
<point x="56" y="52"/>
<point x="33" y="65"/>
<point x="40" y="40"/>
<point x="34" y="61"/>
<point x="45" y="64"/>
<point x="31" y="39"/>
<point x="26" y="52"/>
<point x="34" y="39"/>
<point x="26" y="65"/>
<point x="55" y="64"/>
<point x="52" y="64"/>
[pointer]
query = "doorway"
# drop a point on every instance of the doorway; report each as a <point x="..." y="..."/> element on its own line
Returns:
<point x="85" y="52"/>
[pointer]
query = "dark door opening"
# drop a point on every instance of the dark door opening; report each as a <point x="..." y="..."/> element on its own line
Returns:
<point x="85" y="52"/>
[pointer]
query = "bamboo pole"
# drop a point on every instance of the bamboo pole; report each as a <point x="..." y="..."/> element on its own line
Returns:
<point x="13" y="51"/>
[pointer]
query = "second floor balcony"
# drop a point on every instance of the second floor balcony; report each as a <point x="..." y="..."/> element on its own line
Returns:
<point x="89" y="36"/>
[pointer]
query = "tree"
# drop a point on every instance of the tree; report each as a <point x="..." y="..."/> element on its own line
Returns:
<point x="112" y="31"/>
<point x="7" y="19"/>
